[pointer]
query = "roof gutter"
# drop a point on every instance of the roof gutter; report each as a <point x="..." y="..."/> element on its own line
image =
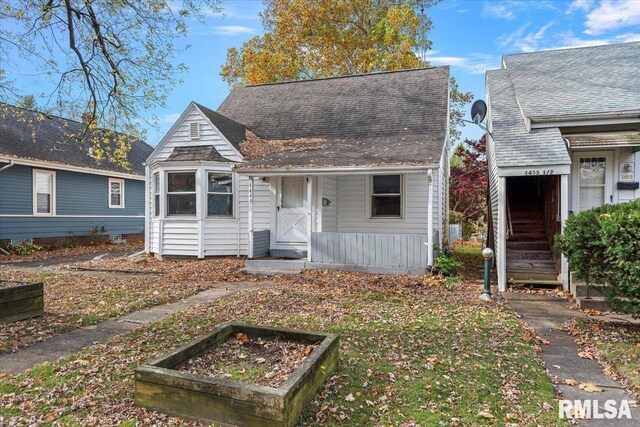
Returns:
<point x="60" y="166"/>
<point x="559" y="120"/>
<point x="5" y="167"/>
<point x="342" y="170"/>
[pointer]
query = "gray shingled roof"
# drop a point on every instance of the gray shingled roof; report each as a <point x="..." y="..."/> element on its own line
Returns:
<point x="195" y="153"/>
<point x="514" y="146"/>
<point x="381" y="118"/>
<point x="579" y="81"/>
<point x="31" y="135"/>
<point x="233" y="131"/>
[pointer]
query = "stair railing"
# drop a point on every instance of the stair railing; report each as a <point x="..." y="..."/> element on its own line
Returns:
<point x="509" y="224"/>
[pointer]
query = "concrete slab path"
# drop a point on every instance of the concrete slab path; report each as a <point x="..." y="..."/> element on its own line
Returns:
<point x="545" y="314"/>
<point x="72" y="342"/>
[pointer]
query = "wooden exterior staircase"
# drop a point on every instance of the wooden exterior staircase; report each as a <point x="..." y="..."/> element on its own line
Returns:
<point x="530" y="258"/>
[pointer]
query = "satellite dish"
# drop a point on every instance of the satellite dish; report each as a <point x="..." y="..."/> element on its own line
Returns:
<point x="478" y="111"/>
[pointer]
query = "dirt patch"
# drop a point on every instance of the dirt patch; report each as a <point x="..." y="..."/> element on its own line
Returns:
<point x="262" y="361"/>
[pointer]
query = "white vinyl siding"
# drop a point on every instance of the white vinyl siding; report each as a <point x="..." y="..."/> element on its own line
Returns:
<point x="353" y="206"/>
<point x="181" y="137"/>
<point x="116" y="193"/>
<point x="330" y="213"/>
<point x="44" y="192"/>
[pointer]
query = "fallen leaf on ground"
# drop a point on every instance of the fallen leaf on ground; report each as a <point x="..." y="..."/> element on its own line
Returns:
<point x="590" y="388"/>
<point x="571" y="382"/>
<point x="586" y="355"/>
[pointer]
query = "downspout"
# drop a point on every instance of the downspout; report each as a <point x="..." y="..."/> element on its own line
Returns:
<point x="5" y="167"/>
<point x="430" y="222"/>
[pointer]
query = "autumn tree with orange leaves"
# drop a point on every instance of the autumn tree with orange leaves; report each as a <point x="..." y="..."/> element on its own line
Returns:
<point x="306" y="39"/>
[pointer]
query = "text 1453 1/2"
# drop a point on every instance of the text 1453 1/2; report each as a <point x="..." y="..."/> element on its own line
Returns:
<point x="539" y="172"/>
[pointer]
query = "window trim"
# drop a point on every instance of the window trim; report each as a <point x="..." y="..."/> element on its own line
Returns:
<point x="34" y="196"/>
<point x="121" y="182"/>
<point x="167" y="193"/>
<point x="156" y="194"/>
<point x="371" y="194"/>
<point x="233" y="194"/>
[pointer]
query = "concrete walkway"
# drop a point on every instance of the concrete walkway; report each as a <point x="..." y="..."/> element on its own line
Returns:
<point x="72" y="342"/>
<point x="545" y="314"/>
<point x="58" y="260"/>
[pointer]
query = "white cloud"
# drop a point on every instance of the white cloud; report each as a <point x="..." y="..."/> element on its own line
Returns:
<point x="168" y="118"/>
<point x="223" y="30"/>
<point x="498" y="10"/>
<point x="523" y="40"/>
<point x="570" y="40"/>
<point x="474" y="63"/>
<point x="612" y="15"/>
<point x="583" y="5"/>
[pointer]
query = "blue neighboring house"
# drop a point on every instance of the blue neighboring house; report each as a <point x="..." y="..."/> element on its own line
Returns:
<point x="52" y="189"/>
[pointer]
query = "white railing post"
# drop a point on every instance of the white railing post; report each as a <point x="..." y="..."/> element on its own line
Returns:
<point x="430" y="221"/>
<point x="564" y="214"/>
<point x="250" y="219"/>
<point x="309" y="214"/>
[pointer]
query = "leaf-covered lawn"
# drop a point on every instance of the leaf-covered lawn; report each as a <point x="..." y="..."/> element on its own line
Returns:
<point x="615" y="345"/>
<point x="411" y="353"/>
<point x="78" y="299"/>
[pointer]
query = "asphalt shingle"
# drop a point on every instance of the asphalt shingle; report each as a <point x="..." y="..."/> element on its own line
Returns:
<point x="395" y="118"/>
<point x="32" y="135"/>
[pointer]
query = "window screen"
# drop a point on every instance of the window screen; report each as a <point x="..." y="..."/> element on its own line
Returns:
<point x="386" y="196"/>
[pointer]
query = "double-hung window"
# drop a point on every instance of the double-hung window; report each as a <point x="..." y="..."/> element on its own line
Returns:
<point x="116" y="193"/>
<point x="219" y="194"/>
<point x="44" y="192"/>
<point x="156" y="194"/>
<point x="386" y="196"/>
<point x="181" y="193"/>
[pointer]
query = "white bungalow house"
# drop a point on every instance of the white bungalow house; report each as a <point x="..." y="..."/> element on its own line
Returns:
<point x="564" y="136"/>
<point x="347" y="172"/>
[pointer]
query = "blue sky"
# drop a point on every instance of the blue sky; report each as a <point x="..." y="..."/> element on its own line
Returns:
<point x="469" y="35"/>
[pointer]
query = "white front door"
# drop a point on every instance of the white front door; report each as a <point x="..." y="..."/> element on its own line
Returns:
<point x="291" y="213"/>
<point x="592" y="179"/>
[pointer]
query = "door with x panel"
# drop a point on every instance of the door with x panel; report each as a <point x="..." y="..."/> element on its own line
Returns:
<point x="291" y="211"/>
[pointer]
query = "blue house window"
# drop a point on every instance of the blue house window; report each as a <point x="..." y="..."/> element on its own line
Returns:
<point x="44" y="192"/>
<point x="116" y="193"/>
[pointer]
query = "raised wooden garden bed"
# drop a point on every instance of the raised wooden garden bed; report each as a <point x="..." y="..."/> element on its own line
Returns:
<point x="162" y="384"/>
<point x="20" y="300"/>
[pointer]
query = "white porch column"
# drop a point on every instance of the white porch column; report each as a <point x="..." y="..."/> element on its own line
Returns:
<point x="564" y="214"/>
<point x="250" y="219"/>
<point x="501" y="243"/>
<point x="319" y="204"/>
<point x="147" y="207"/>
<point x="309" y="214"/>
<point x="430" y="221"/>
<point x="163" y="210"/>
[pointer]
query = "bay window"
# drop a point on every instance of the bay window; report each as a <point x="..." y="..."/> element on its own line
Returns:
<point x="219" y="194"/>
<point x="181" y="193"/>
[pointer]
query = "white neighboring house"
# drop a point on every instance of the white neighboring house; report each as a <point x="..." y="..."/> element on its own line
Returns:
<point x="349" y="172"/>
<point x="565" y="136"/>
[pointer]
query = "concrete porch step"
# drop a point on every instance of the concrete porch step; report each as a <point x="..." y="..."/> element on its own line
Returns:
<point x="518" y="275"/>
<point x="272" y="267"/>
<point x="583" y="290"/>
<point x="594" y="303"/>
<point x="271" y="271"/>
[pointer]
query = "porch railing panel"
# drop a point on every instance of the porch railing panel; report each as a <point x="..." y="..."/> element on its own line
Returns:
<point x="261" y="243"/>
<point x="367" y="249"/>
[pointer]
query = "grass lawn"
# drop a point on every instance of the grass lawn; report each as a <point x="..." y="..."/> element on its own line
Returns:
<point x="616" y="346"/>
<point x="80" y="299"/>
<point x="411" y="353"/>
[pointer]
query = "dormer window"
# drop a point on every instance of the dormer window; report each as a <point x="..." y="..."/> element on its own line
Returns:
<point x="194" y="130"/>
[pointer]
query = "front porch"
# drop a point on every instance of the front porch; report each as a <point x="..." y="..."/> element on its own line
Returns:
<point x="384" y="223"/>
<point x="364" y="252"/>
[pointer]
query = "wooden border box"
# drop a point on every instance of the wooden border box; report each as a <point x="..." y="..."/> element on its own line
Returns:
<point x="159" y="386"/>
<point x="21" y="301"/>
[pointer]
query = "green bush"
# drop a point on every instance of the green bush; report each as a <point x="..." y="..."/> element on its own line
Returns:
<point x="24" y="248"/>
<point x="602" y="246"/>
